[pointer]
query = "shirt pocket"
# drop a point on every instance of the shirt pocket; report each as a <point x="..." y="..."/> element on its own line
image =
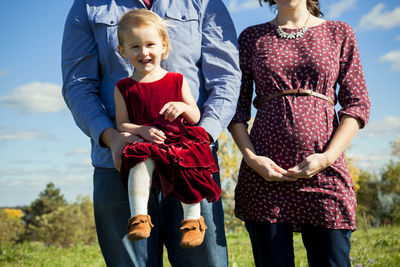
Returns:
<point x="105" y="31"/>
<point x="185" y="26"/>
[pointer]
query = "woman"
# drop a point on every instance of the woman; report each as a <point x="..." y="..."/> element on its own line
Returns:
<point x="294" y="175"/>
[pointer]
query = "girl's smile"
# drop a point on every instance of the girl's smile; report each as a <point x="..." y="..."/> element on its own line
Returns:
<point x="144" y="48"/>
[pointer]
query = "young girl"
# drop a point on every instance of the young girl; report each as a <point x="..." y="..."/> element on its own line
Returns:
<point x="154" y="104"/>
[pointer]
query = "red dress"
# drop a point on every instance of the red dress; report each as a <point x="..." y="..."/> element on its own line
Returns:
<point x="287" y="129"/>
<point x="184" y="162"/>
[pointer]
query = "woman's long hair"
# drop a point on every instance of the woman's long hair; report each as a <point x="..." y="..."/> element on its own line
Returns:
<point x="312" y="6"/>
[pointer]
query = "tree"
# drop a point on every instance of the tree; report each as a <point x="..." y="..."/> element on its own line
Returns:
<point x="49" y="200"/>
<point x="390" y="192"/>
<point x="230" y="158"/>
<point x="68" y="225"/>
<point x="396" y="147"/>
<point x="390" y="187"/>
<point x="379" y="196"/>
<point x="368" y="203"/>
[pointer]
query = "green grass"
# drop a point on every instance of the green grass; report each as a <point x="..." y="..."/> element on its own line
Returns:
<point x="380" y="245"/>
<point x="370" y="247"/>
<point x="36" y="254"/>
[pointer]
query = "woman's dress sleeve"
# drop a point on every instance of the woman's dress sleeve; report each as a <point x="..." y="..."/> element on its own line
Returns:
<point x="243" y="111"/>
<point x="353" y="96"/>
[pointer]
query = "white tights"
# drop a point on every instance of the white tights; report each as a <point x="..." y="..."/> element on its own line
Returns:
<point x="139" y="184"/>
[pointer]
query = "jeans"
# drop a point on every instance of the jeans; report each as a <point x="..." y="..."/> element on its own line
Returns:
<point x="272" y="245"/>
<point x="111" y="207"/>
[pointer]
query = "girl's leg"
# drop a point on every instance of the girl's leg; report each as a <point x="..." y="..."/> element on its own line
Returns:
<point x="193" y="227"/>
<point x="139" y="184"/>
<point x="191" y="211"/>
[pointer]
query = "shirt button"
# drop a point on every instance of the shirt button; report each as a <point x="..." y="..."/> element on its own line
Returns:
<point x="112" y="22"/>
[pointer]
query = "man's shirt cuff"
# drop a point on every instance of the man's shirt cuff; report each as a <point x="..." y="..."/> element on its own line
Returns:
<point x="212" y="126"/>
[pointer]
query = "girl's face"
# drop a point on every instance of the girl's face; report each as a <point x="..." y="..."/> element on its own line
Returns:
<point x="144" y="48"/>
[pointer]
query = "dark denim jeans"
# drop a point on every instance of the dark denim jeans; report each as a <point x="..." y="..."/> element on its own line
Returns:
<point x="112" y="212"/>
<point x="273" y="245"/>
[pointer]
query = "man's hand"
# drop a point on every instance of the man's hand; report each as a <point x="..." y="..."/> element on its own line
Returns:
<point x="131" y="138"/>
<point x="117" y="141"/>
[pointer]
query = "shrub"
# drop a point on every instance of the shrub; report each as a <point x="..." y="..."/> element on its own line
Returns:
<point x="10" y="226"/>
<point x="48" y="201"/>
<point x="68" y="225"/>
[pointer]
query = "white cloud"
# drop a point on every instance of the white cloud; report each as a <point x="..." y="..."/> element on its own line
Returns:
<point x="392" y="57"/>
<point x="340" y="7"/>
<point x="371" y="161"/>
<point x="34" y="98"/>
<point x="85" y="164"/>
<point x="21" y="186"/>
<point x="378" y="155"/>
<point x="379" y="19"/>
<point x="388" y="126"/>
<point x="233" y="5"/>
<point x="78" y="151"/>
<point x="24" y="135"/>
<point x="22" y="161"/>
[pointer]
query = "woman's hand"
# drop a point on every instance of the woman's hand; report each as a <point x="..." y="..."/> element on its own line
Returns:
<point x="317" y="162"/>
<point x="310" y="166"/>
<point x="264" y="166"/>
<point x="152" y="134"/>
<point x="268" y="169"/>
<point x="172" y="110"/>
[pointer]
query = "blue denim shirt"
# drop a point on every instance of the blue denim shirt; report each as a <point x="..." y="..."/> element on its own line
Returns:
<point x="204" y="50"/>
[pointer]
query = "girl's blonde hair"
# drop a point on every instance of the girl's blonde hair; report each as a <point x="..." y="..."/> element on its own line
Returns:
<point x="139" y="17"/>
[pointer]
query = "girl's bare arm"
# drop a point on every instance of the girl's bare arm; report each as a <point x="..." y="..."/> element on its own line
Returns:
<point x="187" y="108"/>
<point x="123" y="123"/>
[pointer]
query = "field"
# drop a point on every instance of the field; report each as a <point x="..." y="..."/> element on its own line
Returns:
<point x="370" y="247"/>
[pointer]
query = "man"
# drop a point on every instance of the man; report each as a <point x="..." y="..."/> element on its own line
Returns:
<point x="205" y="51"/>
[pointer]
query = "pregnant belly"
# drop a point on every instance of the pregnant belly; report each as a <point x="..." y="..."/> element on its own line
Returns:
<point x="304" y="127"/>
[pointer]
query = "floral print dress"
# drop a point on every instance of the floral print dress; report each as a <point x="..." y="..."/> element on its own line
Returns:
<point x="289" y="128"/>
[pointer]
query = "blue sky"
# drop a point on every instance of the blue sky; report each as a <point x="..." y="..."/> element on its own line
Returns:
<point x="39" y="142"/>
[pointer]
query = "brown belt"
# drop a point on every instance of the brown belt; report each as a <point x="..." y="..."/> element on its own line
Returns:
<point x="300" y="91"/>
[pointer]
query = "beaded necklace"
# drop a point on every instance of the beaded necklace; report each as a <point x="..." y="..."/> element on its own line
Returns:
<point x="292" y="35"/>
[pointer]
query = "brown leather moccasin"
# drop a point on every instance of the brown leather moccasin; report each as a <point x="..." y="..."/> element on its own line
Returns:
<point x="139" y="227"/>
<point x="192" y="232"/>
